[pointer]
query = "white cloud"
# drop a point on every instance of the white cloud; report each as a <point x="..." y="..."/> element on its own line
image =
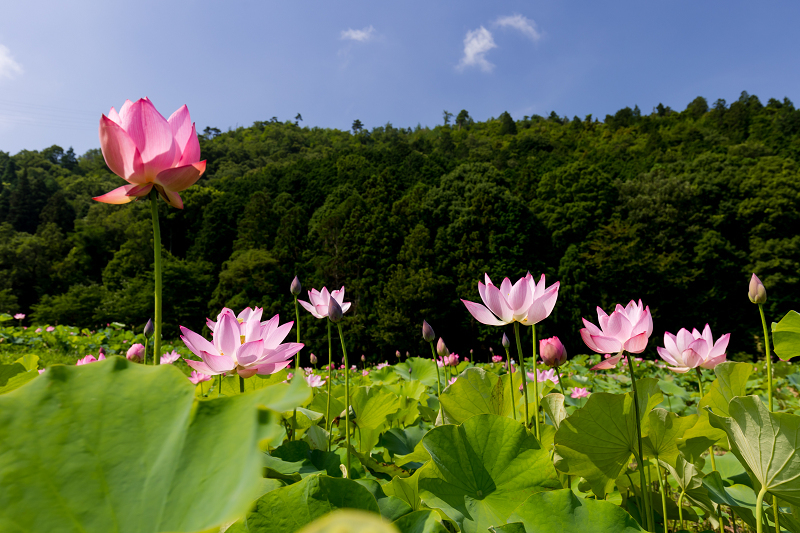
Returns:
<point x="8" y="67"/>
<point x="477" y="44"/>
<point x="358" y="35"/>
<point x="518" y="22"/>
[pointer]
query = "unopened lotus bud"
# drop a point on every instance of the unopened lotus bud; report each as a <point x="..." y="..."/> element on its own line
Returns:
<point x="102" y="351"/>
<point x="295" y="287"/>
<point x="757" y="292"/>
<point x="313" y="359"/>
<point x="506" y="342"/>
<point x="334" y="311"/>
<point x="441" y="349"/>
<point x="149" y="328"/>
<point x="135" y="353"/>
<point x="427" y="332"/>
<point x="363" y="358"/>
<point x="552" y="351"/>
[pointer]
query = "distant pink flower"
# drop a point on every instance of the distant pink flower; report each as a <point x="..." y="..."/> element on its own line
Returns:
<point x="169" y="358"/>
<point x="289" y="376"/>
<point x="198" y="377"/>
<point x="381" y="365"/>
<point x="19" y="316"/>
<point x="365" y="372"/>
<point x="497" y="359"/>
<point x="38" y="330"/>
<point x="313" y="380"/>
<point x="41" y="371"/>
<point x="452" y="380"/>
<point x="466" y="359"/>
<point x="319" y="300"/>
<point x="627" y="328"/>
<point x="50" y="328"/>
<point x="526" y="301"/>
<point x="685" y="350"/>
<point x="354" y="368"/>
<point x="541" y="377"/>
<point x="579" y="392"/>
<point x="89" y="359"/>
<point x="448" y="360"/>
<point x="149" y="151"/>
<point x="248" y="348"/>
<point x="135" y="353"/>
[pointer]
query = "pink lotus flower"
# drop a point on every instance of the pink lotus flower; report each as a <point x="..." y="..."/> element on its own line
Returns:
<point x="198" y="377"/>
<point x="147" y="150"/>
<point x="381" y="365"/>
<point x="19" y="316"/>
<point x="448" y="360"/>
<point x="169" y="358"/>
<point x="320" y="299"/>
<point x="365" y="372"/>
<point x="38" y="330"/>
<point x="90" y="359"/>
<point x="249" y="348"/>
<point x="49" y="329"/>
<point x="135" y="353"/>
<point x="552" y="351"/>
<point x="541" y="377"/>
<point x="497" y="359"/>
<point x="526" y="301"/>
<point x="452" y="380"/>
<point x="579" y="392"/>
<point x="314" y="381"/>
<point x="41" y="371"/>
<point x="685" y="350"/>
<point x="627" y="328"/>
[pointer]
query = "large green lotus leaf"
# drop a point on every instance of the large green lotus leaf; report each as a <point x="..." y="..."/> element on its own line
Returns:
<point x="553" y="405"/>
<point x="766" y="444"/>
<point x="405" y="488"/>
<point x="320" y="404"/>
<point x="475" y="392"/>
<point x="597" y="441"/>
<point x="419" y="369"/>
<point x="731" y="382"/>
<point x="18" y="380"/>
<point x="115" y="446"/>
<point x="29" y="361"/>
<point x="665" y="428"/>
<point x="482" y="469"/>
<point x="739" y="497"/>
<point x="786" y="336"/>
<point x="295" y="460"/>
<point x="9" y="371"/>
<point x="289" y="508"/>
<point x="515" y="527"/>
<point x="402" y="441"/>
<point x="372" y="405"/>
<point x="560" y="511"/>
<point x="391" y="506"/>
<point x="425" y="521"/>
<point x="348" y="521"/>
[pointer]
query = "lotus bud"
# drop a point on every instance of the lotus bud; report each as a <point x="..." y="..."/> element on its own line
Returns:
<point x="102" y="351"/>
<point x="757" y="292"/>
<point x="427" y="332"/>
<point x="295" y="287"/>
<point x="313" y="359"/>
<point x="363" y="358"/>
<point x="552" y="351"/>
<point x="135" y="353"/>
<point x="334" y="311"/>
<point x="506" y="342"/>
<point x="149" y="328"/>
<point x="441" y="349"/>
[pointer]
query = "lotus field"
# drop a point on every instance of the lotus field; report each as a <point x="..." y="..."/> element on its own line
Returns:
<point x="119" y="429"/>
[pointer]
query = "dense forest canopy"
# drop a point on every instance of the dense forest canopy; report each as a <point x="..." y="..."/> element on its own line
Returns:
<point x="675" y="208"/>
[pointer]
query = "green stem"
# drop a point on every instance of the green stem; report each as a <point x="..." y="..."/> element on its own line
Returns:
<point x="347" y="396"/>
<point x="767" y="352"/>
<point x="241" y="385"/>
<point x="639" y="460"/>
<point x="525" y="381"/>
<point x="436" y="364"/>
<point x="733" y="520"/>
<point x="219" y="390"/>
<point x="702" y="394"/>
<point x="759" y="507"/>
<point x="559" y="382"/>
<point x="296" y="361"/>
<point x="330" y="379"/>
<point x="146" y="342"/>
<point x="777" y="516"/>
<point x="511" y="385"/>
<point x="663" y="496"/>
<point x="157" y="266"/>
<point x="680" y="508"/>
<point x="535" y="380"/>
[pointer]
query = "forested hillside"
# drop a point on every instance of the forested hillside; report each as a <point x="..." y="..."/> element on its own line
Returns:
<point x="675" y="208"/>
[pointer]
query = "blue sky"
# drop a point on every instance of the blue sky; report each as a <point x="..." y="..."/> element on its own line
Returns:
<point x="63" y="64"/>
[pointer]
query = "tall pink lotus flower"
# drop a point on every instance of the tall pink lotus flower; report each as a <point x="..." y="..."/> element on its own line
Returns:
<point x="198" y="377"/>
<point x="627" y="328"/>
<point x="685" y="351"/>
<point x="526" y="301"/>
<point x="149" y="151"/>
<point x="90" y="359"/>
<point x="19" y="316"/>
<point x="170" y="358"/>
<point x="319" y="301"/>
<point x="579" y="392"/>
<point x="314" y="380"/>
<point x="247" y="348"/>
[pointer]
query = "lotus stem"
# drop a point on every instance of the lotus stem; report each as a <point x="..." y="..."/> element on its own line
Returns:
<point x="777" y="516"/>
<point x="296" y="360"/>
<point x="702" y="394"/>
<point x="733" y="520"/>
<point x="146" y="342"/>
<point x="524" y="380"/>
<point x="347" y="397"/>
<point x="680" y="509"/>
<point x="759" y="507"/>
<point x="663" y="496"/>
<point x="511" y="384"/>
<point x="535" y="382"/>
<point x="767" y="352"/>
<point x="219" y="390"/>
<point x="639" y="460"/>
<point x="436" y="364"/>
<point x="330" y="378"/>
<point x="241" y="387"/>
<point x="558" y="374"/>
<point x="157" y="267"/>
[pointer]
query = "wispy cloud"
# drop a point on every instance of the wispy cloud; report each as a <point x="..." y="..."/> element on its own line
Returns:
<point x="8" y="67"/>
<point x="523" y="24"/>
<point x="477" y="44"/>
<point x="362" y="36"/>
